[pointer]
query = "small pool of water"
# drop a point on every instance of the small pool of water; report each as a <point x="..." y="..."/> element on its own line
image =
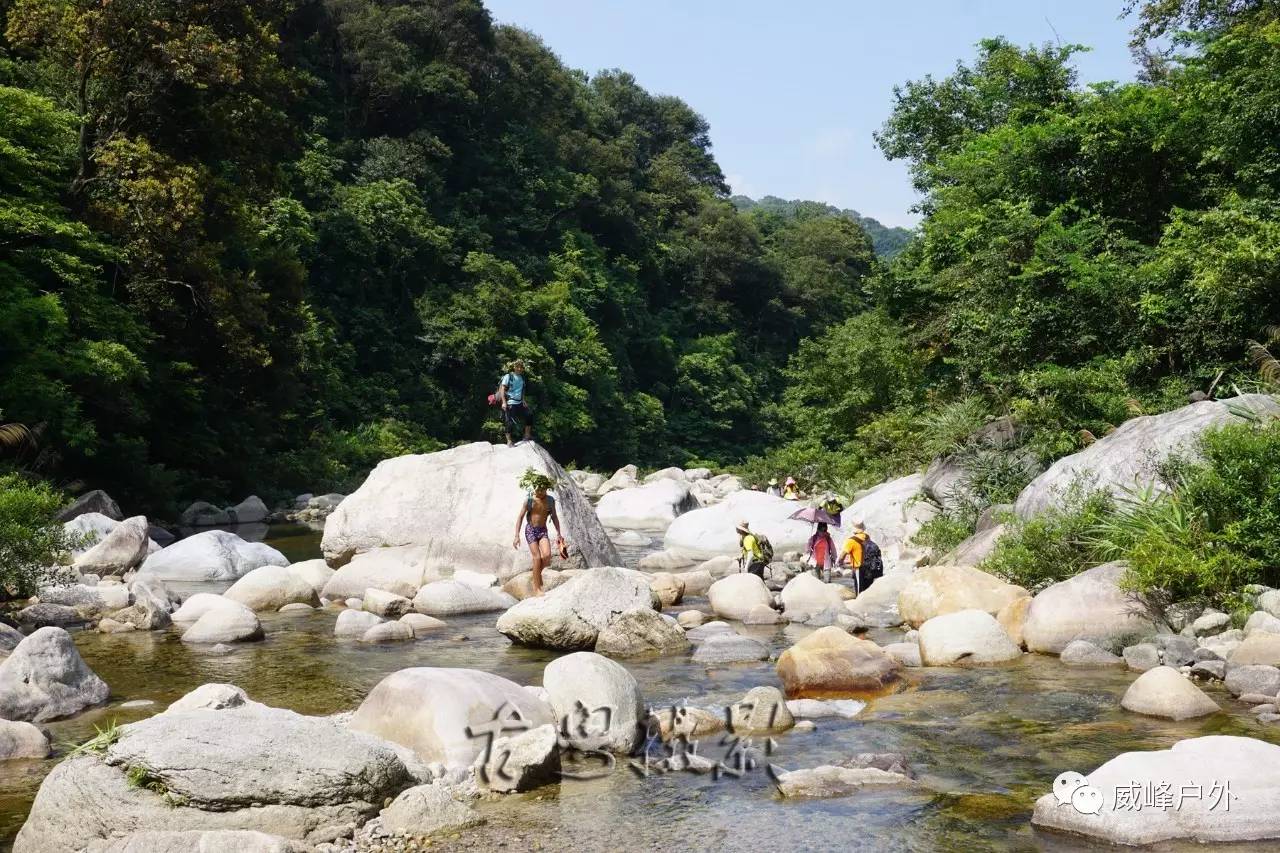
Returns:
<point x="984" y="742"/>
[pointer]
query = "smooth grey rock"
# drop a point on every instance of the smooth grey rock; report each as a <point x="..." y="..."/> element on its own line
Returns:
<point x="20" y="739"/>
<point x="1164" y="692"/>
<point x="572" y="615"/>
<point x="204" y="514"/>
<point x="422" y="624"/>
<point x="211" y="697"/>
<point x="727" y="647"/>
<point x="640" y="631"/>
<point x="1255" y="678"/>
<point x="1085" y="653"/>
<point x="225" y="625"/>
<point x="818" y="708"/>
<point x="248" y="511"/>
<point x="1142" y="656"/>
<point x="1247" y="767"/>
<point x="387" y="632"/>
<point x="355" y="623"/>
<point x="92" y="501"/>
<point x="1214" y="670"/>
<point x="1176" y="650"/>
<point x="1090" y="606"/>
<point x="579" y="685"/>
<point x="1261" y="620"/>
<point x="211" y="555"/>
<point x="454" y="598"/>
<point x="43" y="615"/>
<point x="272" y="587"/>
<point x="1211" y="622"/>
<point x="198" y="841"/>
<point x="44" y="678"/>
<point x="964" y="638"/>
<point x="122" y="550"/>
<point x="427" y="809"/>
<point x="521" y="762"/>
<point x="652" y="506"/>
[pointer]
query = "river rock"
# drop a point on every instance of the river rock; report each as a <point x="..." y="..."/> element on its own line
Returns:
<point x="907" y="654"/>
<point x="315" y="572"/>
<point x="690" y="618"/>
<point x="430" y="709"/>
<point x="1224" y="644"/>
<point x="402" y="570"/>
<point x="211" y="697"/>
<point x="1176" y="650"/>
<point x="819" y="708"/>
<point x="20" y="739"/>
<point x="762" y="614"/>
<point x="734" y="597"/>
<point x="225" y="625"/>
<point x="624" y="478"/>
<point x="696" y="582"/>
<point x="805" y="594"/>
<point x="975" y="549"/>
<point x="640" y="631"/>
<point x="877" y="606"/>
<point x="1248" y="768"/>
<point x="445" y="501"/>
<point x="248" y="511"/>
<point x="630" y="538"/>
<point x="386" y="604"/>
<point x="833" y="781"/>
<point x="9" y="637"/>
<point x="1123" y="460"/>
<point x="427" y="809"/>
<point x="708" y="629"/>
<point x="520" y="587"/>
<point x="652" y="506"/>
<point x="892" y="513"/>
<point x="89" y="600"/>
<point x="668" y="588"/>
<point x="728" y="647"/>
<point x="249" y="767"/>
<point x="122" y="550"/>
<point x="520" y="762"/>
<point x="600" y="700"/>
<point x="710" y="531"/>
<point x="965" y="637"/>
<point x="422" y="624"/>
<point x="1013" y="618"/>
<point x="45" y="615"/>
<point x="937" y="590"/>
<point x="1259" y="647"/>
<point x="1210" y="622"/>
<point x="1164" y="692"/>
<point x="830" y="664"/>
<point x="96" y="501"/>
<point x="1090" y="606"/>
<point x="1085" y="653"/>
<point x="198" y="841"/>
<point x="666" y="561"/>
<point x="212" y="555"/>
<point x="44" y="678"/>
<point x="355" y="623"/>
<point x="1253" y="678"/>
<point x="763" y="710"/>
<point x="204" y="514"/>
<point x="1213" y="670"/>
<point x="572" y="616"/>
<point x="387" y="632"/>
<point x="272" y="587"/>
<point x="1261" y="620"/>
<point x="200" y="604"/>
<point x="451" y="598"/>
<point x="718" y="567"/>
<point x="1142" y="657"/>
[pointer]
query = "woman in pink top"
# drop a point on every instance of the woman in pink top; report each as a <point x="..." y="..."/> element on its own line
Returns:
<point x="822" y="550"/>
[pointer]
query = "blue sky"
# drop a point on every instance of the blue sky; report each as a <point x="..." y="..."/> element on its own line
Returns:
<point x="794" y="89"/>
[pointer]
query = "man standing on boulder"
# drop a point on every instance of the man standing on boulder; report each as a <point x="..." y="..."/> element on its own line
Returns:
<point x="515" y="410"/>
<point x="537" y="507"/>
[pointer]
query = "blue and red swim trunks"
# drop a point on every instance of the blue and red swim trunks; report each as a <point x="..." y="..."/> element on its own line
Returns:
<point x="533" y="534"/>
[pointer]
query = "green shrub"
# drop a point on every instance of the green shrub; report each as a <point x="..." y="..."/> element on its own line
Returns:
<point x="31" y="540"/>
<point x="942" y="533"/>
<point x="1056" y="544"/>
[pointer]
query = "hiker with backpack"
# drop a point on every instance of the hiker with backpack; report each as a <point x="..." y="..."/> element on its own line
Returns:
<point x="863" y="555"/>
<point x="821" y="552"/>
<point x="510" y="395"/>
<point x="537" y="507"/>
<point x="757" y="550"/>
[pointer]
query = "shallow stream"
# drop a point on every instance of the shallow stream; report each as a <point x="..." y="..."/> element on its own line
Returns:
<point x="983" y="742"/>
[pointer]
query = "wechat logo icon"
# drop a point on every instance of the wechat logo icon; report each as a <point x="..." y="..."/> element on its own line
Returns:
<point x="1071" y="787"/>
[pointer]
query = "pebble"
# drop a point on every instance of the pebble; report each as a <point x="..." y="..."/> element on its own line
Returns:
<point x="804" y="726"/>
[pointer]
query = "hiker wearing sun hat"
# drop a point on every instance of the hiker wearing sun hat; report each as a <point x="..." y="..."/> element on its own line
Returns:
<point x="754" y="547"/>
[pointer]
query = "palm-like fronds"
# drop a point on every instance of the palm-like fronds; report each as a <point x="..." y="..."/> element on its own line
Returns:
<point x="1268" y="365"/>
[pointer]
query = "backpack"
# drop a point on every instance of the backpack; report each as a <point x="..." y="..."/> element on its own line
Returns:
<point x="495" y="398"/>
<point x="766" y="547"/>
<point x="872" y="563"/>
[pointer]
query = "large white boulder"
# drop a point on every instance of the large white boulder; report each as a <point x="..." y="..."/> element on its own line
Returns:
<point x="90" y="528"/>
<point x="710" y="531"/>
<point x="623" y="478"/>
<point x="1202" y="773"/>
<point x="434" y="711"/>
<point x="315" y="572"/>
<point x="735" y="596"/>
<point x="248" y="767"/>
<point x="935" y="590"/>
<point x="1164" y="692"/>
<point x="877" y="606"/>
<point x="600" y="700"/>
<point x="45" y="678"/>
<point x="652" y="506"/>
<point x="453" y="598"/>
<point x="212" y="555"/>
<point x="272" y="587"/>
<point x="461" y="504"/>
<point x="121" y="550"/>
<point x="1090" y="606"/>
<point x="892" y="512"/>
<point x="401" y="570"/>
<point x="805" y="594"/>
<point x="1126" y="459"/>
<point x="571" y="616"/>
<point x="965" y="637"/>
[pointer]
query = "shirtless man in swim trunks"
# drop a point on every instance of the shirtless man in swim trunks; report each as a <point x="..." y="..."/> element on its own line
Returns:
<point x="537" y="508"/>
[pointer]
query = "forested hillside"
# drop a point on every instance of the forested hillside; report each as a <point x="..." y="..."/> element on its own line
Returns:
<point x="886" y="241"/>
<point x="261" y="246"/>
<point x="258" y="247"/>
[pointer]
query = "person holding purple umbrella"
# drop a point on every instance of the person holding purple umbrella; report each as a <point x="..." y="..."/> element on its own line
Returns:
<point x="821" y="552"/>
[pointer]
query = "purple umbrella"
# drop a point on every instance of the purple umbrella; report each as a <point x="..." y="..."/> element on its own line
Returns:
<point x="814" y="515"/>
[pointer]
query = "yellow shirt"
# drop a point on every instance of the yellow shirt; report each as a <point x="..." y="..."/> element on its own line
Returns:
<point x="751" y="549"/>
<point x="853" y="549"/>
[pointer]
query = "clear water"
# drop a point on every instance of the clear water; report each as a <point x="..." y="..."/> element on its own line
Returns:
<point x="985" y="743"/>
